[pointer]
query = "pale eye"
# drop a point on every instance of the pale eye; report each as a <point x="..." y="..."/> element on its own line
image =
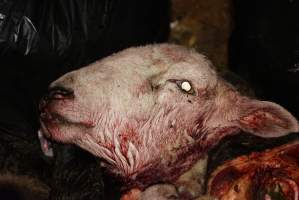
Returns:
<point x="186" y="86"/>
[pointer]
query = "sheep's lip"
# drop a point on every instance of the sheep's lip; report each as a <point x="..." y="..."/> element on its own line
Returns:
<point x="52" y="117"/>
<point x="47" y="117"/>
<point x="45" y="144"/>
<point x="44" y="134"/>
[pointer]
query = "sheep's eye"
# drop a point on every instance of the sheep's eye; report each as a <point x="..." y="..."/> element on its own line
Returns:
<point x="186" y="86"/>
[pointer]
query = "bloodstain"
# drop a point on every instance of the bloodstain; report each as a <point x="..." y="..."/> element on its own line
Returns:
<point x="260" y="119"/>
<point x="128" y="134"/>
<point x="173" y="54"/>
<point x="142" y="88"/>
<point x="223" y="180"/>
<point x="260" y="174"/>
<point x="291" y="154"/>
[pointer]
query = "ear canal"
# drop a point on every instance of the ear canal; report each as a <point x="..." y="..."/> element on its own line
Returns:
<point x="265" y="119"/>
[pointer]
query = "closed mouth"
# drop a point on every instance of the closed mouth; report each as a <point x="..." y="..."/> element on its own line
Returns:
<point x="47" y="122"/>
<point x="47" y="117"/>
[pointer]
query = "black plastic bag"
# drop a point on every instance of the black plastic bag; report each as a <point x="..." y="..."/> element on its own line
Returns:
<point x="42" y="39"/>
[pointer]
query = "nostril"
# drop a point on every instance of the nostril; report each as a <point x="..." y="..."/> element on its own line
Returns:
<point x="58" y="92"/>
<point x="42" y="104"/>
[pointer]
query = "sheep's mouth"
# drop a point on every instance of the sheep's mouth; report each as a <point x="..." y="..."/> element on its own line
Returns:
<point x="55" y="118"/>
<point x="47" y="121"/>
<point x="51" y="123"/>
<point x="46" y="145"/>
<point x="48" y="116"/>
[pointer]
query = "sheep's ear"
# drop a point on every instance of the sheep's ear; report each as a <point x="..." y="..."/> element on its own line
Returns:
<point x="265" y="119"/>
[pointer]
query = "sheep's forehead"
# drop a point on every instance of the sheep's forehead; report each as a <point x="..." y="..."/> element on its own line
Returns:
<point x="156" y="62"/>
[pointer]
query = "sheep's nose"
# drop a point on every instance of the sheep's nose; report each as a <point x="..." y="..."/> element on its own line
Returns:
<point x="59" y="93"/>
<point x="55" y="93"/>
